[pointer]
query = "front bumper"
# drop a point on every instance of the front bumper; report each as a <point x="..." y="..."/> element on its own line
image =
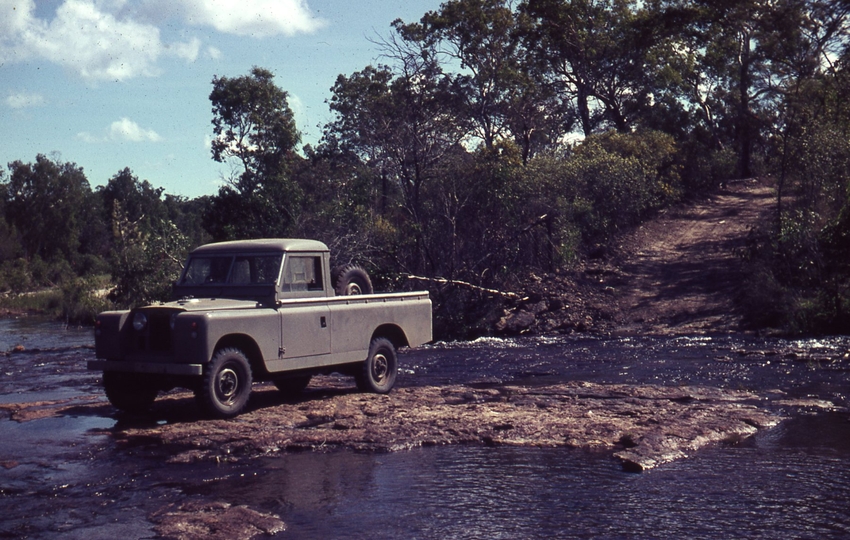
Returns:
<point x="147" y="367"/>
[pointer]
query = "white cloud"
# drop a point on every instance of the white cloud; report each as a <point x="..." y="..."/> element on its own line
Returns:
<point x="295" y="103"/>
<point x="257" y="18"/>
<point x="23" y="100"/>
<point x="188" y="51"/>
<point x="15" y="17"/>
<point x="96" y="44"/>
<point x="122" y="130"/>
<point x="120" y="40"/>
<point x="86" y="39"/>
<point x="85" y="136"/>
<point x="127" y="130"/>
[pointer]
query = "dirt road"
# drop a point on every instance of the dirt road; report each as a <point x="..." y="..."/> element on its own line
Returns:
<point x="680" y="274"/>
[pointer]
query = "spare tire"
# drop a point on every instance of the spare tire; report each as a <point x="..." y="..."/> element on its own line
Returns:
<point x="352" y="279"/>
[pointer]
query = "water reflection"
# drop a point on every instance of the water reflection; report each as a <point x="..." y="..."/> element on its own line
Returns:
<point x="791" y="482"/>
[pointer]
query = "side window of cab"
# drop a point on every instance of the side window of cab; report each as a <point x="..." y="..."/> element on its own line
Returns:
<point x="302" y="274"/>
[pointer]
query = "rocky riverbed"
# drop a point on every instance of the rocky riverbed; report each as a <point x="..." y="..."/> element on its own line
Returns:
<point x="643" y="426"/>
<point x="643" y="402"/>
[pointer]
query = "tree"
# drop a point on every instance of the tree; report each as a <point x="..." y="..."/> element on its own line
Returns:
<point x="599" y="52"/>
<point x="255" y="132"/>
<point x="147" y="248"/>
<point x="401" y="126"/>
<point x="45" y="202"/>
<point x="146" y="260"/>
<point x="139" y="200"/>
<point x="494" y="80"/>
<point x="477" y="35"/>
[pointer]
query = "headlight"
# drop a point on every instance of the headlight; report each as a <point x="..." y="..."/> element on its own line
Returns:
<point x="140" y="321"/>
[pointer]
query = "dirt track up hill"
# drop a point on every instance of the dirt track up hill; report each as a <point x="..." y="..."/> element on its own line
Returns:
<point x="680" y="273"/>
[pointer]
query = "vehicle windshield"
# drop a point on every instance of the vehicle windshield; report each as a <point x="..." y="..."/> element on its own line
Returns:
<point x="232" y="270"/>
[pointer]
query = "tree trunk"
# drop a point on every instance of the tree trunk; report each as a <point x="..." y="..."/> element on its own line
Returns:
<point x="744" y="123"/>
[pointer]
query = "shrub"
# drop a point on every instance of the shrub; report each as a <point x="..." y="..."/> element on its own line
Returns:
<point x="81" y="300"/>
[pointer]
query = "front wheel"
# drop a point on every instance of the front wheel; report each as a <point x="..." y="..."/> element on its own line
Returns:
<point x="378" y="373"/>
<point x="227" y="384"/>
<point x="129" y="392"/>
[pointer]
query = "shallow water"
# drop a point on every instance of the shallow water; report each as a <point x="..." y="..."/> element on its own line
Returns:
<point x="52" y="364"/>
<point x="59" y="478"/>
<point x="763" y="489"/>
<point x="35" y="333"/>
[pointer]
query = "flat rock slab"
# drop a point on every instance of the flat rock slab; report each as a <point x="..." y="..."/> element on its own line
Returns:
<point x="214" y="521"/>
<point x="643" y="426"/>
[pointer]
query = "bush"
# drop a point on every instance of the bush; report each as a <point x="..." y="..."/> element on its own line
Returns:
<point x="616" y="180"/>
<point x="15" y="276"/>
<point x="81" y="300"/>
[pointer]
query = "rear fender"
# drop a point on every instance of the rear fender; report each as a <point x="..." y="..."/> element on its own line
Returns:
<point x="392" y="332"/>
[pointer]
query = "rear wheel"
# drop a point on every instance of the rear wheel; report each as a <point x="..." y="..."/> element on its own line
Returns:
<point x="226" y="386"/>
<point x="130" y="392"/>
<point x="378" y="373"/>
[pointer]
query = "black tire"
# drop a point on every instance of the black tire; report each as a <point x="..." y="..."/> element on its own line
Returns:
<point x="352" y="279"/>
<point x="292" y="386"/>
<point x="226" y="386"/>
<point x="378" y="373"/>
<point x="130" y="392"/>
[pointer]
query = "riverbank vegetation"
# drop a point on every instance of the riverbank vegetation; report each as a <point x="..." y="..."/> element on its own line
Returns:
<point x="497" y="141"/>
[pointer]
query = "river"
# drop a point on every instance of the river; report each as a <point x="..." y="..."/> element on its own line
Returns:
<point x="67" y="477"/>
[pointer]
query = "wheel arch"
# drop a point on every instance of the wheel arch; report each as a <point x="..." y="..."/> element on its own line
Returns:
<point x="249" y="347"/>
<point x="392" y="332"/>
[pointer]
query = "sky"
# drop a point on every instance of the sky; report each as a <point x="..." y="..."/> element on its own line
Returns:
<point x="109" y="84"/>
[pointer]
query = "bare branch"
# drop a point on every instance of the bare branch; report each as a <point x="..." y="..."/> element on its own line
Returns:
<point x="458" y="283"/>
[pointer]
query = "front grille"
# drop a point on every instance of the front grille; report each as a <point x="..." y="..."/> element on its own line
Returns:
<point x="156" y="337"/>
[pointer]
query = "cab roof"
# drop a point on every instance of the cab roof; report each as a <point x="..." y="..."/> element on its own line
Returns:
<point x="265" y="244"/>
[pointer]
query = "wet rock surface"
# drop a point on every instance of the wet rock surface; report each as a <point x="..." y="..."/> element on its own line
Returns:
<point x="644" y="426"/>
<point x="645" y="402"/>
<point x="213" y="521"/>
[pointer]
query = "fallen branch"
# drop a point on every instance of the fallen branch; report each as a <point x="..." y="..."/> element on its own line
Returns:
<point x="444" y="281"/>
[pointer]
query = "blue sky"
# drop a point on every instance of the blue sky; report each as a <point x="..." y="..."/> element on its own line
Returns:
<point x="109" y="84"/>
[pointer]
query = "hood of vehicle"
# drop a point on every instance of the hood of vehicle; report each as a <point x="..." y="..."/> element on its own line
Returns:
<point x="205" y="304"/>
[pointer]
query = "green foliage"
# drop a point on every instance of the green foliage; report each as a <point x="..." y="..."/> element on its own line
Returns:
<point x="805" y="252"/>
<point x="46" y="202"/>
<point x="145" y="261"/>
<point x="254" y="126"/>
<point x="140" y="201"/>
<point x="82" y="299"/>
<point x="148" y="249"/>
<point x="450" y="161"/>
<point x="15" y="276"/>
<point x="615" y="180"/>
<point x="59" y="238"/>
<point x="45" y="301"/>
<point x="253" y="123"/>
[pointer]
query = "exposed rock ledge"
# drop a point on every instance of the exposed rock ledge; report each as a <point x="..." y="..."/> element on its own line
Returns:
<point x="643" y="426"/>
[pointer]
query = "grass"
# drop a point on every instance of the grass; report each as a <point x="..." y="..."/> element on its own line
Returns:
<point x="41" y="302"/>
<point x="78" y="301"/>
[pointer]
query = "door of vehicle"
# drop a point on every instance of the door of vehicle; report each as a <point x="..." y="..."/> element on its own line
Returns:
<point x="305" y="324"/>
